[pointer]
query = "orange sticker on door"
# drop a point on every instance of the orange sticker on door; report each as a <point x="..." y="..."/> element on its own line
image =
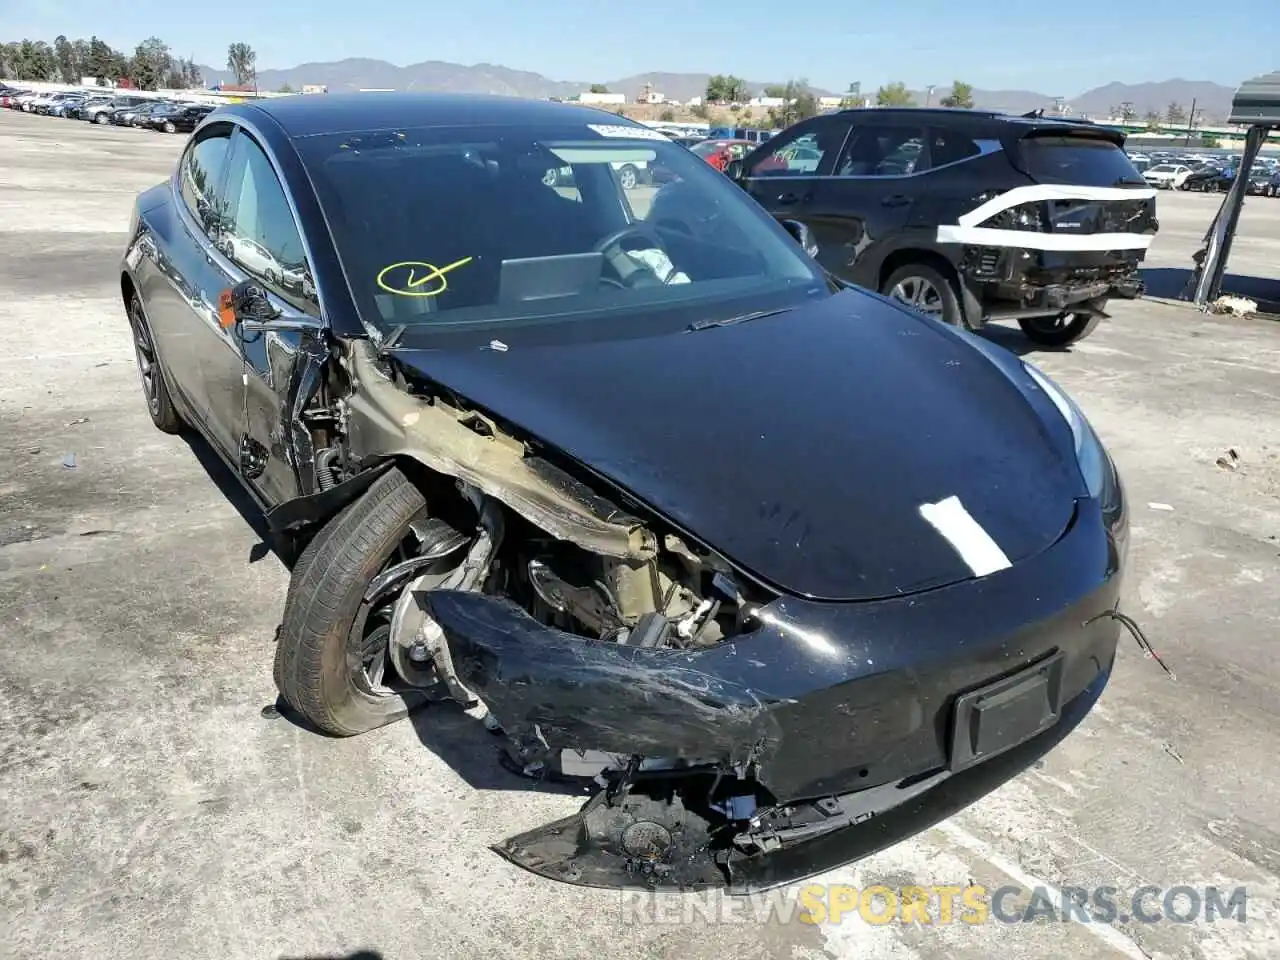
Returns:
<point x="226" y="313"/>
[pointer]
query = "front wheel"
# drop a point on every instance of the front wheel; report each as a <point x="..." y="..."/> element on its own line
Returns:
<point x="924" y="289"/>
<point x="169" y="127"/>
<point x="1059" y="331"/>
<point x="331" y="662"/>
<point x="100" y="118"/>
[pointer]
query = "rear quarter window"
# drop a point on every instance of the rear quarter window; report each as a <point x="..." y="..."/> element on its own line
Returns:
<point x="1080" y="160"/>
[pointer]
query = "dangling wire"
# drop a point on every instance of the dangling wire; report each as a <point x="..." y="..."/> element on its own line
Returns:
<point x="1135" y="631"/>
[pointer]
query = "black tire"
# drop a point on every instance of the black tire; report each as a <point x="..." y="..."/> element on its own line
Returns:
<point x="628" y="177"/>
<point x="1050" y="332"/>
<point x="950" y="311"/>
<point x="151" y="372"/>
<point x="326" y="591"/>
<point x="169" y="127"/>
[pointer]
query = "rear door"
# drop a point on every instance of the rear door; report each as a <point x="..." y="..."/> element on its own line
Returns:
<point x="781" y="174"/>
<point x="866" y="206"/>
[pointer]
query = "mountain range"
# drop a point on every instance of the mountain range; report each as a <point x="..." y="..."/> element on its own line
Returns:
<point x="1213" y="101"/>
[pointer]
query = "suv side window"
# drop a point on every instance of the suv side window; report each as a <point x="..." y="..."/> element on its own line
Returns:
<point x="949" y="146"/>
<point x="263" y="239"/>
<point x="807" y="150"/>
<point x="881" y="150"/>
<point x="201" y="173"/>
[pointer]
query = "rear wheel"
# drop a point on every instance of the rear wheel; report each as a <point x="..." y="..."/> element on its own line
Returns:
<point x="159" y="403"/>
<point x="1059" y="331"/>
<point x="331" y="662"/>
<point x="924" y="289"/>
<point x="100" y="117"/>
<point x="628" y="177"/>
<point x="169" y="127"/>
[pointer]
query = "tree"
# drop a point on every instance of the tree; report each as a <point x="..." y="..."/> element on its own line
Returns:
<point x="961" y="95"/>
<point x="193" y="76"/>
<point x="726" y="89"/>
<point x="1152" y="120"/>
<point x="285" y="88"/>
<point x="65" y="54"/>
<point x="151" y="64"/>
<point x="667" y="115"/>
<point x="852" y="97"/>
<point x="1175" y="114"/>
<point x="1125" y="111"/>
<point x="895" y="95"/>
<point x="599" y="88"/>
<point x="700" y="110"/>
<point x="798" y="103"/>
<point x="242" y="62"/>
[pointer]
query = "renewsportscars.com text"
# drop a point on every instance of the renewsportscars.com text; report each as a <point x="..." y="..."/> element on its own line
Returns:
<point x="941" y="905"/>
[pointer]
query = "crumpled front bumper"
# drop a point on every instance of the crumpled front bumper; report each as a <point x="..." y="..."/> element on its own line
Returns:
<point x="843" y="714"/>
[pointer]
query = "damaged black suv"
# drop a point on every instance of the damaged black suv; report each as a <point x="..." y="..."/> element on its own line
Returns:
<point x="966" y="215"/>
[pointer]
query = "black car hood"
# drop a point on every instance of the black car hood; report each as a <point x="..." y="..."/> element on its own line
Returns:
<point x="800" y="446"/>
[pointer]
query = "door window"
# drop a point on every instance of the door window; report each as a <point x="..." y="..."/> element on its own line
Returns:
<point x="949" y="146"/>
<point x="883" y="151"/>
<point x="263" y="238"/>
<point x="202" y="169"/>
<point x="802" y="152"/>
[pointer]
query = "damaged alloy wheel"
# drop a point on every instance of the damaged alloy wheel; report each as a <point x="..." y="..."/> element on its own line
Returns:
<point x="332" y="662"/>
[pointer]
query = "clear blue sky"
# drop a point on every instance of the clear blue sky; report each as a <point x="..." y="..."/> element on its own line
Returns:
<point x="989" y="43"/>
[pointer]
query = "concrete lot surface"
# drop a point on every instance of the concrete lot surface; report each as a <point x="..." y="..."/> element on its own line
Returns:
<point x="148" y="810"/>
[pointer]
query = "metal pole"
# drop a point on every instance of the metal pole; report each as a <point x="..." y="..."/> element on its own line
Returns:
<point x="1191" y="122"/>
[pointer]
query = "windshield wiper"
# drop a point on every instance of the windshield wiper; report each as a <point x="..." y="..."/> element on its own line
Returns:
<point x="1123" y="181"/>
<point x="730" y="321"/>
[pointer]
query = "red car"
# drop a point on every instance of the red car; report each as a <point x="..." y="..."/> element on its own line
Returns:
<point x="718" y="153"/>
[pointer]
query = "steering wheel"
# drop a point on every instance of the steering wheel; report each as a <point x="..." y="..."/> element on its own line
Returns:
<point x="632" y="273"/>
<point x="640" y="230"/>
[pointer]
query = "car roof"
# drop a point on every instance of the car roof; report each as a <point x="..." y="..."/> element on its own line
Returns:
<point x="306" y="115"/>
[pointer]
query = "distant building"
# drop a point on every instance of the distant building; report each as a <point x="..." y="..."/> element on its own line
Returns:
<point x="650" y="95"/>
<point x="314" y="88"/>
<point x="600" y="99"/>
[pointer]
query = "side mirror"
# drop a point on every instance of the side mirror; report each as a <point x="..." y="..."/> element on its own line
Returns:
<point x="733" y="170"/>
<point x="803" y="236"/>
<point x="250" y="310"/>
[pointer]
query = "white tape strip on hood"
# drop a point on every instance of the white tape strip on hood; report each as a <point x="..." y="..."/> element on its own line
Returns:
<point x="958" y="527"/>
<point x="966" y="230"/>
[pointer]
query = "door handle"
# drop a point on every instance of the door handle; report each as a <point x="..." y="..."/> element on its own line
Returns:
<point x="786" y="199"/>
<point x="896" y="200"/>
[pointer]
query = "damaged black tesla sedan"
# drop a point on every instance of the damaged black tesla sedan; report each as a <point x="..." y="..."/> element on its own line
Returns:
<point x="783" y="567"/>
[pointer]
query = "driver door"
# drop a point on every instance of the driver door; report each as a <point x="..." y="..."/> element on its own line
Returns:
<point x="783" y="174"/>
<point x="256" y="381"/>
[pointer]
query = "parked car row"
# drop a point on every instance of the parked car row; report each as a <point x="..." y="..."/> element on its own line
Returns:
<point x="110" y="108"/>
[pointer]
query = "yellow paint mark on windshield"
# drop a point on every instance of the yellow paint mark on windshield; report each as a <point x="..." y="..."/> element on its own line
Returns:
<point x="408" y="277"/>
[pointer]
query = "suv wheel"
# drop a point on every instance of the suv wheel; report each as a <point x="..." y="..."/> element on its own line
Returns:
<point x="924" y="289"/>
<point x="1059" y="331"/>
<point x="628" y="177"/>
<point x="100" y="117"/>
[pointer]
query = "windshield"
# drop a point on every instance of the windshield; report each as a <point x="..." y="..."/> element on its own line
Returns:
<point x="453" y="227"/>
<point x="1086" y="161"/>
<point x="1163" y="168"/>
